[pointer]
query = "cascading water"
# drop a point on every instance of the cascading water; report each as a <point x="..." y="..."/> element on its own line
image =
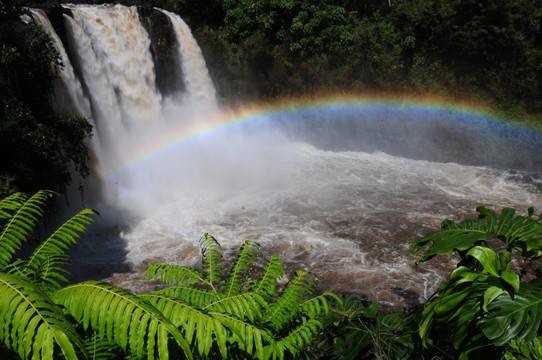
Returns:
<point x="171" y="173"/>
<point x="200" y="88"/>
<point x="68" y="96"/>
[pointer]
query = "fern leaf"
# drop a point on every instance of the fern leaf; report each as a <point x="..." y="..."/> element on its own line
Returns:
<point x="212" y="260"/>
<point x="243" y="306"/>
<point x="299" y="338"/>
<point x="11" y="204"/>
<point x="241" y="269"/>
<point x="99" y="348"/>
<point x="249" y="337"/>
<point x="43" y="264"/>
<point x="32" y="325"/>
<point x="173" y="274"/>
<point x="315" y="306"/>
<point x="286" y="307"/>
<point x="186" y="317"/>
<point x="188" y="295"/>
<point x="22" y="215"/>
<point x="266" y="285"/>
<point x="125" y="319"/>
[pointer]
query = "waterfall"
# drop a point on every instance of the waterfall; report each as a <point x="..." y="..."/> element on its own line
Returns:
<point x="121" y="46"/>
<point x="68" y="92"/>
<point x="198" y="83"/>
<point x="115" y="82"/>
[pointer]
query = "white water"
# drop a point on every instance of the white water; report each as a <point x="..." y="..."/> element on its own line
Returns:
<point x="68" y="96"/>
<point x="199" y="86"/>
<point x="344" y="215"/>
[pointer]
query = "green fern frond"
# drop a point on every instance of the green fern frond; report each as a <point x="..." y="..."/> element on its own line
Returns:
<point x="22" y="215"/>
<point x="243" y="306"/>
<point x="241" y="269"/>
<point x="173" y="274"/>
<point x="48" y="275"/>
<point x="249" y="337"/>
<point x="195" y="324"/>
<point x="313" y="307"/>
<point x="286" y="307"/>
<point x="10" y="204"/>
<point x="44" y="263"/>
<point x="212" y="261"/>
<point x="123" y="318"/>
<point x="266" y="285"/>
<point x="99" y="348"/>
<point x="188" y="295"/>
<point x="32" y="325"/>
<point x="299" y="339"/>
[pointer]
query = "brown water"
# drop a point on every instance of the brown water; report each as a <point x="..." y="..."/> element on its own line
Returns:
<point x="346" y="216"/>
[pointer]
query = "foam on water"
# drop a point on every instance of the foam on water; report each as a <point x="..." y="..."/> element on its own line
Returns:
<point x="347" y="216"/>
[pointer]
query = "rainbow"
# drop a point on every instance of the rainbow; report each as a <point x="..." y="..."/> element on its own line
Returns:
<point x="254" y="113"/>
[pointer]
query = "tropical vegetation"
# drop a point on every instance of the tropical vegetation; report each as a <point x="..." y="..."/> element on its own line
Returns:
<point x="491" y="305"/>
<point x="488" y="308"/>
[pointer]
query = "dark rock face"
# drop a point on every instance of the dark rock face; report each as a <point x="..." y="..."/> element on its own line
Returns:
<point x="164" y="49"/>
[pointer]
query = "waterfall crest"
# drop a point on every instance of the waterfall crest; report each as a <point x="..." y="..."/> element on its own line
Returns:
<point x="121" y="46"/>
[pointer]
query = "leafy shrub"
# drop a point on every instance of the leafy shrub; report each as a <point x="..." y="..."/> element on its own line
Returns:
<point x="486" y="307"/>
<point x="358" y="330"/>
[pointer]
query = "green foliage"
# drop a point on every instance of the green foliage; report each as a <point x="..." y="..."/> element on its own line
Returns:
<point x="32" y="324"/>
<point x="122" y="318"/>
<point x="485" y="305"/>
<point x="486" y="51"/>
<point x="360" y="331"/>
<point x="237" y="314"/>
<point x="41" y="147"/>
<point x="519" y="233"/>
<point x="485" y="309"/>
<point x="20" y="216"/>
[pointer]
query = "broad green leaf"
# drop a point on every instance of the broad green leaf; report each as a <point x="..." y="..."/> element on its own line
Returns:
<point x="514" y="317"/>
<point x="490" y="295"/>
<point x="487" y="258"/>
<point x="512" y="279"/>
<point x="505" y="258"/>
<point x="520" y="232"/>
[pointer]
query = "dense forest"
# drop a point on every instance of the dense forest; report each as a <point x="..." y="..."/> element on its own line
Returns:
<point x="486" y="52"/>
